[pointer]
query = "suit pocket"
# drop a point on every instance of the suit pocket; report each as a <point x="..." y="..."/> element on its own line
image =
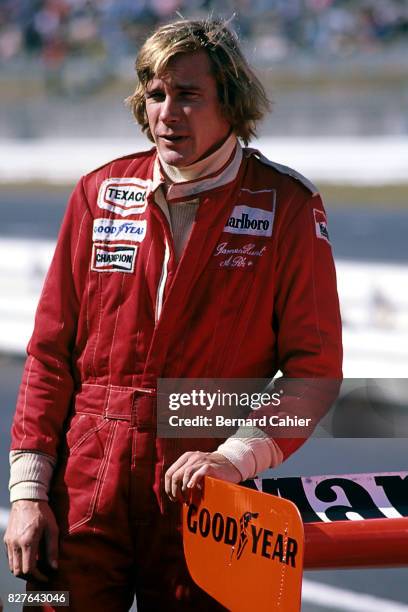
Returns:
<point x="82" y="428"/>
<point x="83" y="470"/>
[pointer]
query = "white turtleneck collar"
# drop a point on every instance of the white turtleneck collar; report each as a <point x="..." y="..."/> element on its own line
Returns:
<point x="204" y="167"/>
<point x="219" y="168"/>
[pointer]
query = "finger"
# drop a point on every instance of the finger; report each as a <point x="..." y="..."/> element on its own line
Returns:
<point x="175" y="484"/>
<point x="30" y="560"/>
<point x="173" y="469"/>
<point x="196" y="494"/>
<point x="51" y="542"/>
<point x="17" y="564"/>
<point x="29" y="544"/>
<point x="167" y="487"/>
<point x="10" y="556"/>
<point x="198" y="476"/>
<point x="188" y="472"/>
<point x="5" y="544"/>
<point x="175" y="466"/>
<point x="185" y="492"/>
<point x="177" y="496"/>
<point x="194" y="463"/>
<point x="34" y="575"/>
<point x="175" y="492"/>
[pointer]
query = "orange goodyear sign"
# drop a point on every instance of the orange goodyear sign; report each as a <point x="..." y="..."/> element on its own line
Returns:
<point x="245" y="548"/>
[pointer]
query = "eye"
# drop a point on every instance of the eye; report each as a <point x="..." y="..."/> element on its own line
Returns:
<point x="189" y="94"/>
<point x="154" y="95"/>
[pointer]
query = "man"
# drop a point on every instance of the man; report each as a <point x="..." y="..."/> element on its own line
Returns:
<point x="142" y="286"/>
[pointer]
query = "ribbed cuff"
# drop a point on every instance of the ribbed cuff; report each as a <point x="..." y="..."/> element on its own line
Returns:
<point x="28" y="490"/>
<point x="30" y="475"/>
<point x="251" y="455"/>
<point x="240" y="455"/>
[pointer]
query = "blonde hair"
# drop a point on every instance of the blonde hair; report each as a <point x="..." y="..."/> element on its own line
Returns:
<point x="241" y="95"/>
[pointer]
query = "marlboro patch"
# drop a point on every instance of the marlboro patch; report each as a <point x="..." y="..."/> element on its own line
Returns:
<point x="250" y="220"/>
<point x="321" y="225"/>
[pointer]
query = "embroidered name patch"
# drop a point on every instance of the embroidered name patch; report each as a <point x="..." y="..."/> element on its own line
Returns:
<point x="123" y="196"/>
<point x="113" y="258"/>
<point x="321" y="225"/>
<point x="240" y="256"/>
<point x="249" y="220"/>
<point x="114" y="229"/>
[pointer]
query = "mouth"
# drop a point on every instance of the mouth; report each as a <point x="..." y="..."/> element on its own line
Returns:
<point x="171" y="138"/>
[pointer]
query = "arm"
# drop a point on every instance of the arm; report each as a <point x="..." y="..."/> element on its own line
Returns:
<point x="30" y="475"/>
<point x="308" y="326"/>
<point x="307" y="320"/>
<point x="47" y="384"/>
<point x="45" y="394"/>
<point x="31" y="519"/>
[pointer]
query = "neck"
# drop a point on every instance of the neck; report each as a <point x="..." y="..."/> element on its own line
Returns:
<point x="204" y="167"/>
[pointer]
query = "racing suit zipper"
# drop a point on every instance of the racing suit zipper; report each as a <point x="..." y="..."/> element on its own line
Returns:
<point x="169" y="253"/>
<point x="162" y="282"/>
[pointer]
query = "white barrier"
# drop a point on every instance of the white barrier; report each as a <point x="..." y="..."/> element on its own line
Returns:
<point x="335" y="598"/>
<point x="374" y="305"/>
<point x="359" y="161"/>
<point x="373" y="297"/>
<point x="23" y="265"/>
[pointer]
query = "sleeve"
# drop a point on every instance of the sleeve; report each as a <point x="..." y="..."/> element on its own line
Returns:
<point x="30" y="475"/>
<point x="251" y="451"/>
<point x="47" y="383"/>
<point x="307" y="321"/>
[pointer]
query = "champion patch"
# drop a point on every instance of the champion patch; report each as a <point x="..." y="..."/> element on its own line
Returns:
<point x="114" y="229"/>
<point x="321" y="225"/>
<point x="249" y="220"/>
<point x="113" y="258"/>
<point x="123" y="196"/>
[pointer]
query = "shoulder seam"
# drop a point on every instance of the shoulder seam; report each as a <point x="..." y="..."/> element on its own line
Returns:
<point x="285" y="170"/>
<point x="123" y="157"/>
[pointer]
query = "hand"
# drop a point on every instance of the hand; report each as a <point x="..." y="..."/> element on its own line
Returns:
<point x="31" y="521"/>
<point x="189" y="470"/>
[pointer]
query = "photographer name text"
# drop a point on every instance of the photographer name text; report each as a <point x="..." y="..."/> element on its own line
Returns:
<point x="221" y="421"/>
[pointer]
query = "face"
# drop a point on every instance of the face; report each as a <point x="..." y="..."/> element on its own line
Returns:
<point x="183" y="110"/>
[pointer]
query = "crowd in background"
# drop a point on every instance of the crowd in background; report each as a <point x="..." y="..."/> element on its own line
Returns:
<point x="53" y="29"/>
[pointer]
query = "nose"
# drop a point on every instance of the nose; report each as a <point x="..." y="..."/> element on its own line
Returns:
<point x="169" y="112"/>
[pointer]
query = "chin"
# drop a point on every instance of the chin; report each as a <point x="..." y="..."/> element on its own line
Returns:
<point x="175" y="158"/>
<point x="172" y="158"/>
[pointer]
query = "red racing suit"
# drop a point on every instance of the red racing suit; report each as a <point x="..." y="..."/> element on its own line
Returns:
<point x="254" y="292"/>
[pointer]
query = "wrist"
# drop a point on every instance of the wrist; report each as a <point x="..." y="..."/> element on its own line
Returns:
<point x="25" y="503"/>
<point x="228" y="462"/>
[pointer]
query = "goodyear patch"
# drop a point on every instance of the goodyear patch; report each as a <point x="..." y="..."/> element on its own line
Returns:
<point x="114" y="229"/>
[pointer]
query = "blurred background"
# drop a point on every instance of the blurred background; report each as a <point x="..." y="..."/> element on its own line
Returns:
<point x="331" y="66"/>
<point x="337" y="73"/>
